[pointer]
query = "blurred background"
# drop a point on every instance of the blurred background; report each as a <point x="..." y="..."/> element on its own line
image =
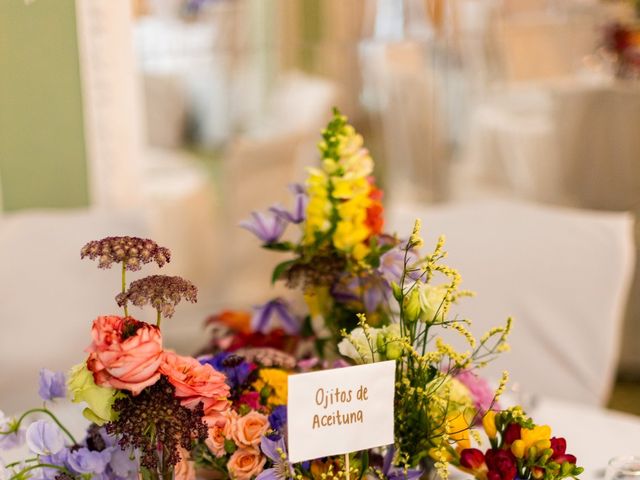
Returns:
<point x="512" y="124"/>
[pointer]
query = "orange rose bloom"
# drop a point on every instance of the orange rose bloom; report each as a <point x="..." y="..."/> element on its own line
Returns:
<point x="245" y="463"/>
<point x="196" y="383"/>
<point x="125" y="353"/>
<point x="250" y="429"/>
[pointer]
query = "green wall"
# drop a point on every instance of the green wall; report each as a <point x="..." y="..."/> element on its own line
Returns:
<point x="42" y="150"/>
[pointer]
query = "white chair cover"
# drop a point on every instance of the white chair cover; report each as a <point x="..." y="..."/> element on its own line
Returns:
<point x="563" y="274"/>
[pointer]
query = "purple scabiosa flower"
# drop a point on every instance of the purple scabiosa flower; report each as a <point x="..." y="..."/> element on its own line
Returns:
<point x="52" y="385"/>
<point x="281" y="468"/>
<point x="133" y="252"/>
<point x="298" y="214"/>
<point x="84" y="460"/>
<point x="278" y="419"/>
<point x="44" y="438"/>
<point x="162" y="292"/>
<point x="480" y="390"/>
<point x="265" y="314"/>
<point x="235" y="368"/>
<point x="10" y="437"/>
<point x="268" y="227"/>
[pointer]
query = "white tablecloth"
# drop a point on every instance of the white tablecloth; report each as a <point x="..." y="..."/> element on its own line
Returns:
<point x="594" y="435"/>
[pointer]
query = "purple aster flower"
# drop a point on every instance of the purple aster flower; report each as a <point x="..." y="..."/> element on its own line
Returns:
<point x="280" y="469"/>
<point x="235" y="368"/>
<point x="44" y="438"/>
<point x="84" y="460"/>
<point x="51" y="385"/>
<point x="480" y="390"/>
<point x="264" y="315"/>
<point x="278" y="418"/>
<point x="268" y="227"/>
<point x="13" y="439"/>
<point x="392" y="472"/>
<point x="298" y="214"/>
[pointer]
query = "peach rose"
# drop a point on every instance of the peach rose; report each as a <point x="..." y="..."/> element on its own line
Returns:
<point x="250" y="429"/>
<point x="245" y="463"/>
<point x="196" y="383"/>
<point x="185" y="469"/>
<point x="125" y="353"/>
<point x="220" y="428"/>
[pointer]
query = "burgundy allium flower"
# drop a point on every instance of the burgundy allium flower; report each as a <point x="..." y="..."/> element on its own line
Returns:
<point x="132" y="251"/>
<point x="162" y="292"/>
<point x="174" y="425"/>
<point x="501" y="464"/>
<point x="267" y="357"/>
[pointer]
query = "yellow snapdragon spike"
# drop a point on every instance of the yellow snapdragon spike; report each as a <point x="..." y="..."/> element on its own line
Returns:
<point x="489" y="424"/>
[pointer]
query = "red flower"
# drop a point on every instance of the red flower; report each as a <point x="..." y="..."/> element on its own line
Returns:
<point x="559" y="447"/>
<point x="501" y="464"/>
<point x="472" y="458"/>
<point x="511" y="433"/>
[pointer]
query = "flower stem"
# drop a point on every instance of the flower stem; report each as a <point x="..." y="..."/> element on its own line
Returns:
<point x="158" y="318"/>
<point x="13" y="464"/>
<point x="39" y="465"/>
<point x="45" y="411"/>
<point x="124" y="285"/>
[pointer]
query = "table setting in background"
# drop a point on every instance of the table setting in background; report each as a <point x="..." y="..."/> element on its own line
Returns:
<point x="363" y="367"/>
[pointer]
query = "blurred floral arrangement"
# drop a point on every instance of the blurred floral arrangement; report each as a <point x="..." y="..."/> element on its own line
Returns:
<point x="623" y="42"/>
<point x="370" y="297"/>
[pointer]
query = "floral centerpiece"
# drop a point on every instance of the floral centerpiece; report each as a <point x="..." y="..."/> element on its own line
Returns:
<point x="370" y="297"/>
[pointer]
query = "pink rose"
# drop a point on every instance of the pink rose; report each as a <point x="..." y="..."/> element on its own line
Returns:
<point x="245" y="463"/>
<point x="196" y="383"/>
<point x="250" y="429"/>
<point x="125" y="353"/>
<point x="185" y="469"/>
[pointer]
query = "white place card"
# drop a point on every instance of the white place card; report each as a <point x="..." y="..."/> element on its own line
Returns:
<point x="342" y="410"/>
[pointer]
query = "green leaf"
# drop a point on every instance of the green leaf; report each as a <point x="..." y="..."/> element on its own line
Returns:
<point x="280" y="269"/>
<point x="279" y="246"/>
<point x="230" y="446"/>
